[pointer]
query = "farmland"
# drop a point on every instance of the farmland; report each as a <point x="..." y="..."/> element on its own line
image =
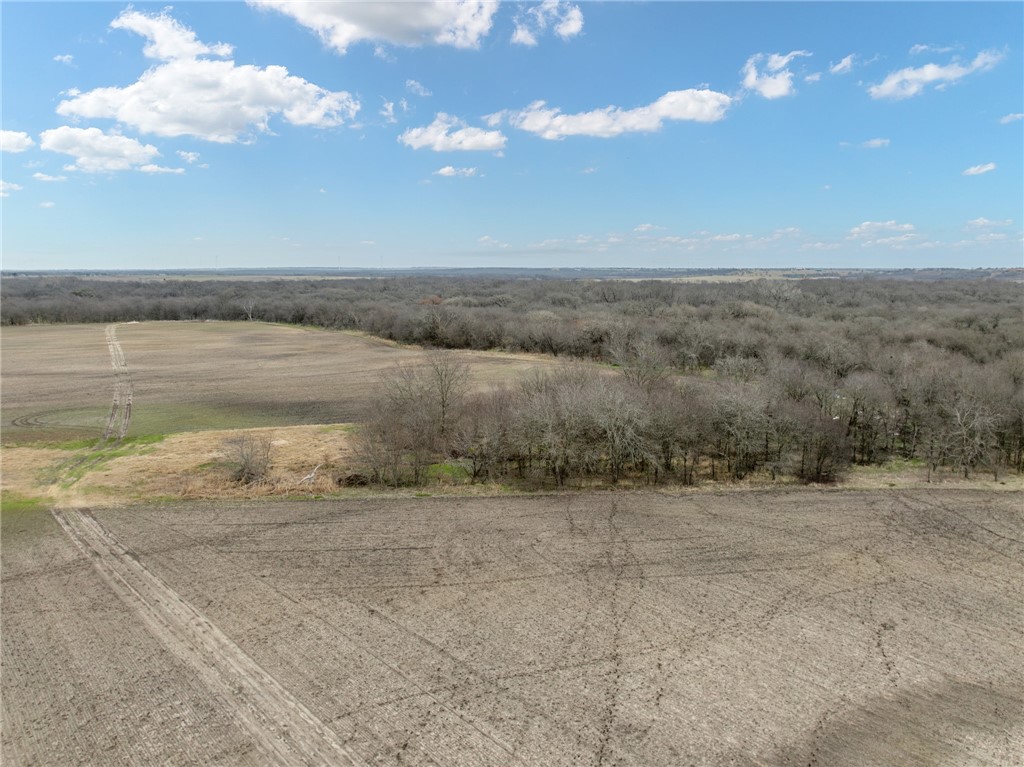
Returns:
<point x="773" y="628"/>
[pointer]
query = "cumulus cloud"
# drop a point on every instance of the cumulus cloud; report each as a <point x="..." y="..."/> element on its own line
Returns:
<point x="870" y="231"/>
<point x="189" y="157"/>
<point x="151" y="168"/>
<point x="644" y="227"/>
<point x="458" y="23"/>
<point x="64" y="58"/>
<point x="450" y="171"/>
<point x="97" y="152"/>
<point x="47" y="178"/>
<point x="813" y="77"/>
<point x="209" y="99"/>
<point x="912" y="81"/>
<point x="876" y="143"/>
<point x="388" y="112"/>
<point x="6" y="187"/>
<point x="495" y="243"/>
<point x="844" y="65"/>
<point x="774" y="79"/>
<point x="977" y="170"/>
<point x="551" y="123"/>
<point x="1011" y="118"/>
<point x="450" y="134"/>
<point x="985" y="223"/>
<point x="564" y="18"/>
<point x="417" y="88"/>
<point x="15" y="141"/>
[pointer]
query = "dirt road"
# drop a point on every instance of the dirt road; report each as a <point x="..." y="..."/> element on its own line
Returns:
<point x="761" y="628"/>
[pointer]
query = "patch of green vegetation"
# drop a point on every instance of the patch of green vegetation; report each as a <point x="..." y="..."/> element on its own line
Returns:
<point x="448" y="470"/>
<point x="70" y="470"/>
<point x="17" y="503"/>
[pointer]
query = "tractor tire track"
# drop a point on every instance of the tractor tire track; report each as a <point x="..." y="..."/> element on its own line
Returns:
<point x="282" y="728"/>
<point x="121" y="410"/>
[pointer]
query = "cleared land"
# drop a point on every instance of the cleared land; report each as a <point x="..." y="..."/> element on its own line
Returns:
<point x="184" y="376"/>
<point x="771" y="628"/>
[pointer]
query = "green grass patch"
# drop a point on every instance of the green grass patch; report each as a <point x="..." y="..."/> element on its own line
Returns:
<point x="449" y="470"/>
<point x="17" y="503"/>
<point x="70" y="470"/>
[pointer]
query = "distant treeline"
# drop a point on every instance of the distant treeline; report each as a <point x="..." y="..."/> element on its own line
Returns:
<point x="886" y="368"/>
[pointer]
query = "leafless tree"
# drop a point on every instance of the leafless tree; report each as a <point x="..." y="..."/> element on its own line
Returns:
<point x="250" y="455"/>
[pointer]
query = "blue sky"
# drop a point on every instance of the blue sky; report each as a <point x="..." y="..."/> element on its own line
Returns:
<point x="663" y="134"/>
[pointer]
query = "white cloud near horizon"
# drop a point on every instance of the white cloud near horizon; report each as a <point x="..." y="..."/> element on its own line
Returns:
<point x="870" y="230"/>
<point x="15" y="141"/>
<point x="912" y="81"/>
<point x="985" y="223"/>
<point x="550" y="123"/>
<point x="97" y="152"/>
<point x="562" y="17"/>
<point x="775" y="80"/>
<point x="213" y="100"/>
<point x="6" y="187"/>
<point x="977" y="170"/>
<point x="450" y="134"/>
<point x="339" y="24"/>
<point x="47" y="178"/>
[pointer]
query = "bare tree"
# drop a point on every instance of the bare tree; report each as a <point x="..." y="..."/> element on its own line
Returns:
<point x="250" y="457"/>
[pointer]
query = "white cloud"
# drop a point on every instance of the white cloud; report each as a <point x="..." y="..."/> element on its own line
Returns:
<point x="870" y="230"/>
<point x="984" y="223"/>
<point x="550" y="123"/>
<point x="64" y="58"/>
<point x="776" y="80"/>
<point x="458" y="23"/>
<point x="6" y="187"/>
<point x="991" y="237"/>
<point x="151" y="168"/>
<point x="1011" y="118"/>
<point x="451" y="172"/>
<point x="912" y="81"/>
<point x="388" y="112"/>
<point x="488" y="240"/>
<point x="813" y="77"/>
<point x="48" y="204"/>
<point x="564" y="18"/>
<point x="844" y="65"/>
<point x="44" y="177"/>
<point x="169" y="40"/>
<point x="644" y="227"/>
<point x="922" y="48"/>
<point x="417" y="88"/>
<point x="95" y="151"/>
<point x="450" y="134"/>
<point x="212" y="100"/>
<point x="977" y="170"/>
<point x="15" y="141"/>
<point x="876" y="143"/>
<point x="189" y="157"/>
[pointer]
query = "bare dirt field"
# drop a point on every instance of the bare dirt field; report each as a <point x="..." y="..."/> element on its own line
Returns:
<point x="59" y="381"/>
<point x="772" y="628"/>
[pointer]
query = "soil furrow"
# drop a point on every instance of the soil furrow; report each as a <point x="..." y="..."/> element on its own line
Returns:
<point x="282" y="727"/>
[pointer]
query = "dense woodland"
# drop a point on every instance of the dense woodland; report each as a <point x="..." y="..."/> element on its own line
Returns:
<point x="710" y="380"/>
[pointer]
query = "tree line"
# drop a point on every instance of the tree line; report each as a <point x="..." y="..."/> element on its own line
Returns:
<point x="783" y="377"/>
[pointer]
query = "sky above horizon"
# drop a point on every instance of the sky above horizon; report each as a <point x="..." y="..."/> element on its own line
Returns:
<point x="471" y="133"/>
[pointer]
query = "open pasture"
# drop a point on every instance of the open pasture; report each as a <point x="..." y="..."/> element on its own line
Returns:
<point x="58" y="380"/>
<point x="767" y="628"/>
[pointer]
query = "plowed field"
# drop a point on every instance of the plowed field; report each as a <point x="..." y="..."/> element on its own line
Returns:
<point x="770" y="628"/>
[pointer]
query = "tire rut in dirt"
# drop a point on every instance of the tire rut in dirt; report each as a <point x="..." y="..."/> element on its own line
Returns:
<point x="121" y="409"/>
<point x="283" y="729"/>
